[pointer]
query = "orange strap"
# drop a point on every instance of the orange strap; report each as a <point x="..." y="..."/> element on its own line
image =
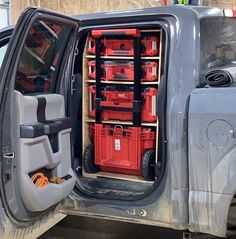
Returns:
<point x="39" y="180"/>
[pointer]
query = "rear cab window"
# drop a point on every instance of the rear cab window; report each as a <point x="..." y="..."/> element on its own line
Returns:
<point x="218" y="42"/>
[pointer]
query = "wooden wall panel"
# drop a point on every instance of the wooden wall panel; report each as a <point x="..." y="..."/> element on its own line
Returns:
<point x="106" y="5"/>
<point x="220" y="3"/>
<point x="73" y="7"/>
<point x="88" y="6"/>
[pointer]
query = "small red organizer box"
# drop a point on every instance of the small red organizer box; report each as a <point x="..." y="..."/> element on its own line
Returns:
<point x="120" y="149"/>
<point x="122" y="97"/>
<point x="124" y="71"/>
<point x="125" y="47"/>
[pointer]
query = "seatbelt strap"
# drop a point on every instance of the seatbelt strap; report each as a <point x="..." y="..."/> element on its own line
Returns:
<point x="76" y="112"/>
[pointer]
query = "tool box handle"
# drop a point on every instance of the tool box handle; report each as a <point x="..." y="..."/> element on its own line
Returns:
<point x="118" y="130"/>
<point x="105" y="104"/>
<point x="116" y="32"/>
<point x="118" y="127"/>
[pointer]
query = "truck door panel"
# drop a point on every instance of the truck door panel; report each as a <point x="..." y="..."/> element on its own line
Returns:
<point x="43" y="131"/>
<point x="36" y="131"/>
<point x="212" y="151"/>
<point x="38" y="150"/>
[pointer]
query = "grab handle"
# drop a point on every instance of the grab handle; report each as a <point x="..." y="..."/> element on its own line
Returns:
<point x="116" y="32"/>
<point x="118" y="130"/>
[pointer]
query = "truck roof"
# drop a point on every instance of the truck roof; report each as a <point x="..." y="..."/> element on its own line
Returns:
<point x="175" y="10"/>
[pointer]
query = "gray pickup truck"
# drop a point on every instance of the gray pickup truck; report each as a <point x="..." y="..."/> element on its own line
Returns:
<point x="42" y="134"/>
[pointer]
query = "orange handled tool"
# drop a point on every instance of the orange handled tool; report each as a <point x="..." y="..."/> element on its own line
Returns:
<point x="40" y="180"/>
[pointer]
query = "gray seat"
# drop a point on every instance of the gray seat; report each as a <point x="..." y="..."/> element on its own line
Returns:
<point x="38" y="117"/>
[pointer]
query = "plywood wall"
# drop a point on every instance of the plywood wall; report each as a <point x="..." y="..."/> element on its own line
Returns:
<point x="231" y="4"/>
<point x="73" y="7"/>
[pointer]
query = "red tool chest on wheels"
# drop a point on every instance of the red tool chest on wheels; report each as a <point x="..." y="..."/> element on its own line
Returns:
<point x="120" y="149"/>
<point x="118" y="99"/>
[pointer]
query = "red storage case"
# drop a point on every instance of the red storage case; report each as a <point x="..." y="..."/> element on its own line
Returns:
<point x="149" y="46"/>
<point x="115" y="70"/>
<point x="124" y="99"/>
<point x="125" y="47"/>
<point x="134" y="32"/>
<point x="119" y="149"/>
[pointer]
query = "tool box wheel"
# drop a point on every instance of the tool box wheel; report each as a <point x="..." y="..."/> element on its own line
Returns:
<point x="89" y="164"/>
<point x="148" y="165"/>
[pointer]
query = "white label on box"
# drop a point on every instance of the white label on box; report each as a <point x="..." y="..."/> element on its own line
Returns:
<point x="154" y="71"/>
<point x="154" y="45"/>
<point x="154" y="100"/>
<point x="117" y="144"/>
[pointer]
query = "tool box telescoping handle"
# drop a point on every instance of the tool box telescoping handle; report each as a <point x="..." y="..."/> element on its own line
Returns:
<point x="137" y="102"/>
<point x="116" y="32"/>
<point x="97" y="80"/>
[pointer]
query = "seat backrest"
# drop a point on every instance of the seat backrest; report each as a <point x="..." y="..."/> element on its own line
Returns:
<point x="31" y="109"/>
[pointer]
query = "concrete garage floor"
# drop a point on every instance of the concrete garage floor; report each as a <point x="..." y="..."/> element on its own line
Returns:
<point x="73" y="227"/>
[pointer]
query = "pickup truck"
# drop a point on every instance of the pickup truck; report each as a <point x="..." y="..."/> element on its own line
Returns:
<point x="43" y="59"/>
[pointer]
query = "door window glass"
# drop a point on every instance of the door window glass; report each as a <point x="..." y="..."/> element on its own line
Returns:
<point x="41" y="57"/>
<point x="2" y="53"/>
<point x="4" y="17"/>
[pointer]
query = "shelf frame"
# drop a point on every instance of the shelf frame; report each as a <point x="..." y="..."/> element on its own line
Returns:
<point x="124" y="57"/>
<point x="119" y="122"/>
<point x="118" y="176"/>
<point x="87" y="81"/>
<point x="123" y="82"/>
<point x="49" y="29"/>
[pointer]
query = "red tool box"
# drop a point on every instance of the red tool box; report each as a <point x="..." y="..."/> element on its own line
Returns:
<point x="125" y="47"/>
<point x="120" y="149"/>
<point x="123" y="70"/>
<point x="117" y="99"/>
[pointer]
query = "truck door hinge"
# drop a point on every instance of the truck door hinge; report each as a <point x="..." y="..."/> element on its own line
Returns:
<point x="72" y="90"/>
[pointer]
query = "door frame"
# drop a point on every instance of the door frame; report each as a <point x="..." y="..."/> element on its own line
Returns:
<point x="5" y="34"/>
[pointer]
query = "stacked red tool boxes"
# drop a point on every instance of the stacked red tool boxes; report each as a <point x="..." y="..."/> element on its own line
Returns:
<point x="121" y="148"/>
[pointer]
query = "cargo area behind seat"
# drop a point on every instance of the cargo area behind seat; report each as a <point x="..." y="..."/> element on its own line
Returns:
<point x="120" y="123"/>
